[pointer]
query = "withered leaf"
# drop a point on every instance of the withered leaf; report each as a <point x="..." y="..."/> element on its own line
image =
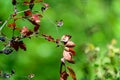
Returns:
<point x="68" y="56"/>
<point x="70" y="50"/>
<point x="47" y="37"/>
<point x="26" y="3"/>
<point x="36" y="28"/>
<point x="25" y="32"/>
<point x="14" y="44"/>
<point x="63" y="75"/>
<point x="36" y="17"/>
<point x="12" y="25"/>
<point x="65" y="38"/>
<point x="22" y="45"/>
<point x="70" y="44"/>
<point x="27" y="13"/>
<point x="71" y="72"/>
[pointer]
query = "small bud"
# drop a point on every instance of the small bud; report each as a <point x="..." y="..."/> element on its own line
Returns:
<point x="59" y="23"/>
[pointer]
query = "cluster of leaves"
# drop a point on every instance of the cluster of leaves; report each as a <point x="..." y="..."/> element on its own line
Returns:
<point x="16" y="41"/>
<point x="107" y="66"/>
<point x="68" y="52"/>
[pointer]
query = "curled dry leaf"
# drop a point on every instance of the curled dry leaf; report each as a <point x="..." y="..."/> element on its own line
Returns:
<point x="68" y="56"/>
<point x="27" y="13"/>
<point x="16" y="44"/>
<point x="36" y="17"/>
<point x="63" y="75"/>
<point x="12" y="25"/>
<point x="47" y="37"/>
<point x="36" y="28"/>
<point x="70" y="50"/>
<point x="22" y="45"/>
<point x="71" y="72"/>
<point x="65" y="38"/>
<point x="70" y="44"/>
<point x="25" y="32"/>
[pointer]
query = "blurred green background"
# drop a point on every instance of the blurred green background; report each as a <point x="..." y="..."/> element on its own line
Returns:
<point x="88" y="21"/>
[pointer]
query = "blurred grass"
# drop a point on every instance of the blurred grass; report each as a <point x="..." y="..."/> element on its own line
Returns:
<point x="87" y="21"/>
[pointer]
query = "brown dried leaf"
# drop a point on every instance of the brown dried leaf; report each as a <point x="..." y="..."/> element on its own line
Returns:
<point x="14" y="44"/>
<point x="49" y="38"/>
<point x="68" y="56"/>
<point x="71" y="72"/>
<point x="22" y="45"/>
<point x="65" y="38"/>
<point x="70" y="44"/>
<point x="70" y="50"/>
<point x="27" y="13"/>
<point x="25" y="32"/>
<point x="12" y="25"/>
<point x="36" y="17"/>
<point x="36" y="28"/>
<point x="64" y="75"/>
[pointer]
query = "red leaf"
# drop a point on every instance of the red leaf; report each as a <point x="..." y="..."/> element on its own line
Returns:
<point x="27" y="13"/>
<point x="70" y="44"/>
<point x="64" y="75"/>
<point x="12" y="25"/>
<point x="65" y="38"/>
<point x="49" y="38"/>
<point x="68" y="56"/>
<point x="26" y="3"/>
<point x="36" y="28"/>
<point x="22" y="45"/>
<point x="70" y="50"/>
<point x="14" y="44"/>
<point x="35" y="17"/>
<point x="25" y="32"/>
<point x="72" y="73"/>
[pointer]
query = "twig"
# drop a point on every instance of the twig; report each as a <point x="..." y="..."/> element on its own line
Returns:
<point x="5" y="23"/>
